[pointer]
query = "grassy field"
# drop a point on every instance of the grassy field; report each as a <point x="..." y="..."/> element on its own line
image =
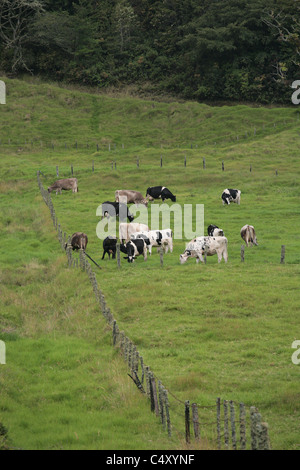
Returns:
<point x="206" y="331"/>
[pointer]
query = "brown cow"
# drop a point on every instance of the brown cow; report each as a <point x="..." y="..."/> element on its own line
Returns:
<point x="248" y="235"/>
<point x="127" y="196"/>
<point x="79" y="241"/>
<point x="68" y="183"/>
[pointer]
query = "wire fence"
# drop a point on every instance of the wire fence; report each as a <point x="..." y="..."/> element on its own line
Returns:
<point x="216" y="423"/>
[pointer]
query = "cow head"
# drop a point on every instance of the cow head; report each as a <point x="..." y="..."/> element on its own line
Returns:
<point x="129" y="247"/>
<point x="185" y="256"/>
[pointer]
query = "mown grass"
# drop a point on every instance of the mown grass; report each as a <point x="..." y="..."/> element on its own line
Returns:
<point x="206" y="331"/>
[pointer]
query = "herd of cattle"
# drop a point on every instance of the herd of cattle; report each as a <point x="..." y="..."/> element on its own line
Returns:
<point x="137" y="239"/>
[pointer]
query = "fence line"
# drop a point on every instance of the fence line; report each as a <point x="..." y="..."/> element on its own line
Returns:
<point x="112" y="146"/>
<point x="149" y="384"/>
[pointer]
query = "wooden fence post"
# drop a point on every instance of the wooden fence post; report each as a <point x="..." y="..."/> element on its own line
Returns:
<point x="226" y="430"/>
<point x="242" y="426"/>
<point x="161" y="255"/>
<point x="195" y="421"/>
<point x="282" y="254"/>
<point x="161" y="164"/>
<point x="154" y="393"/>
<point x="223" y="168"/>
<point x="118" y="255"/>
<point x="218" y="423"/>
<point x="187" y="422"/>
<point x="242" y="253"/>
<point x="204" y="164"/>
<point x="57" y="172"/>
<point x="167" y="412"/>
<point x="232" y="420"/>
<point x="161" y="404"/>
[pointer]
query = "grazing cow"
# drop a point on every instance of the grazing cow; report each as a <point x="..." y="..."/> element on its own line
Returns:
<point x="248" y="235"/>
<point x="110" y="247"/>
<point x="159" y="192"/>
<point x="214" y="231"/>
<point x="116" y="209"/>
<point x="231" y="195"/>
<point x="134" y="248"/>
<point x="128" y="196"/>
<point x="79" y="241"/>
<point x="126" y="230"/>
<point x="200" y="246"/>
<point x="157" y="238"/>
<point x="68" y="183"/>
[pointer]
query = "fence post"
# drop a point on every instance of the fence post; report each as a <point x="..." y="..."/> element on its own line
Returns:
<point x="204" y="164"/>
<point x="187" y="422"/>
<point x="161" y="254"/>
<point x="226" y="430"/>
<point x="154" y="393"/>
<point x="242" y="426"/>
<point x="118" y="255"/>
<point x="282" y="254"/>
<point x="242" y="253"/>
<point x="195" y="421"/>
<point x="161" y="404"/>
<point x="218" y="423"/>
<point x="167" y="412"/>
<point x="232" y="420"/>
<point x="254" y="422"/>
<point x="161" y="161"/>
<point x="223" y="166"/>
<point x="57" y="172"/>
<point x="114" y="332"/>
<point x="185" y="161"/>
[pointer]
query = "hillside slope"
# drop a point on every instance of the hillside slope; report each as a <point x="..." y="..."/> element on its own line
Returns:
<point x="206" y="331"/>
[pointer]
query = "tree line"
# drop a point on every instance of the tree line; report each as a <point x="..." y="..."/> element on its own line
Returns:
<point x="233" y="50"/>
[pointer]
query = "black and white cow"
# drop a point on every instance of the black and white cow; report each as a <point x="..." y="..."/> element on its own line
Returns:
<point x="201" y="246"/>
<point x="157" y="238"/>
<point x="159" y="192"/>
<point x="110" y="246"/>
<point x="116" y="209"/>
<point x="134" y="248"/>
<point x="231" y="195"/>
<point x="214" y="231"/>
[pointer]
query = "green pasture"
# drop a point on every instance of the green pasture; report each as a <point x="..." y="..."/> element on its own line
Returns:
<point x="206" y="331"/>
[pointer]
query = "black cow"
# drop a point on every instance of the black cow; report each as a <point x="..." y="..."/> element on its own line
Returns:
<point x="160" y="192"/>
<point x="116" y="209"/>
<point x="214" y="231"/>
<point x="134" y="248"/>
<point x="231" y="195"/>
<point x="110" y="247"/>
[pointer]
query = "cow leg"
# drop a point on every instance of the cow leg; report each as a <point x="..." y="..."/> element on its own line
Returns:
<point x="145" y="252"/>
<point x="103" y="254"/>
